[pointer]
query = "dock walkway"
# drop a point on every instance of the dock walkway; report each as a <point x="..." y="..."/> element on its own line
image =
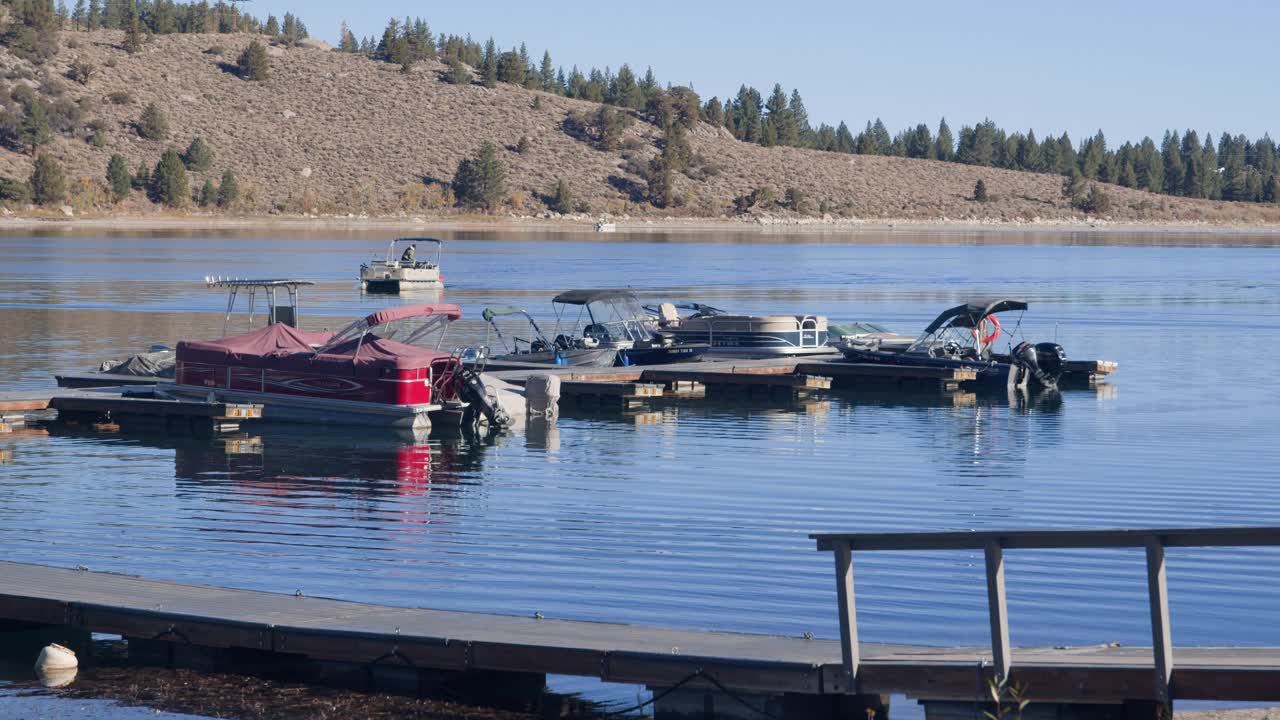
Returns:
<point x="759" y="665"/>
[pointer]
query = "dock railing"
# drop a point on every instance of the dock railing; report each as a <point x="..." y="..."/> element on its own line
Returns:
<point x="994" y="543"/>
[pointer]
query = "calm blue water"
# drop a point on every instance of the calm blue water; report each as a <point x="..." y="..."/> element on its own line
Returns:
<point x="696" y="514"/>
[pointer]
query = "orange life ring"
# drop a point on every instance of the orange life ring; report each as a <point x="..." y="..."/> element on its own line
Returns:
<point x="995" y="332"/>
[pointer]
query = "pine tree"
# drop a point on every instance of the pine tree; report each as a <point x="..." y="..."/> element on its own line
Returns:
<point x="153" y="125"/>
<point x="132" y="28"/>
<point x="347" y="40"/>
<point x="228" y="190"/>
<point x="980" y="192"/>
<point x="800" y="119"/>
<point x="1174" y="172"/>
<point x="1074" y="186"/>
<point x="199" y="156"/>
<point x="548" y="73"/>
<point x="457" y="73"/>
<point x="48" y="183"/>
<point x="93" y="20"/>
<point x="844" y="139"/>
<point x="562" y="200"/>
<point x="118" y="178"/>
<point x="1270" y="190"/>
<point x="35" y="129"/>
<point x="944" y="147"/>
<point x="79" y="16"/>
<point x="489" y="66"/>
<point x="142" y="178"/>
<point x="253" y="62"/>
<point x="480" y="182"/>
<point x="273" y="26"/>
<point x="208" y="193"/>
<point x="661" y="182"/>
<point x="169" y="184"/>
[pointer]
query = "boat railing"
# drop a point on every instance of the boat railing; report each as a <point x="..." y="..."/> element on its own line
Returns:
<point x="994" y="543"/>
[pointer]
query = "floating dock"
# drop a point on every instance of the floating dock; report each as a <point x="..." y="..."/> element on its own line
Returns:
<point x="693" y="673"/>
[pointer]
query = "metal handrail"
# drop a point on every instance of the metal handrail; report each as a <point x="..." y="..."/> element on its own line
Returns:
<point x="994" y="543"/>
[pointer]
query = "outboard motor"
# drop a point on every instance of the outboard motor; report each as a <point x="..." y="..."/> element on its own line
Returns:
<point x="1043" y="362"/>
<point x="1052" y="359"/>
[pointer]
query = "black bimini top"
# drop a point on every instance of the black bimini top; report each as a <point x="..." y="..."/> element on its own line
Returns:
<point x="972" y="312"/>
<point x="582" y="297"/>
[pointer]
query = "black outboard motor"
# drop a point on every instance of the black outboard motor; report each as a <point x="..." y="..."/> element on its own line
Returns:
<point x="1044" y="362"/>
<point x="1052" y="359"/>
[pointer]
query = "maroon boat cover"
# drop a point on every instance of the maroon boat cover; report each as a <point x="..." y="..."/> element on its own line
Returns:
<point x="453" y="312"/>
<point x="281" y="347"/>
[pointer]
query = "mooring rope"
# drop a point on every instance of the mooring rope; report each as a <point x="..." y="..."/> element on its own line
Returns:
<point x="699" y="673"/>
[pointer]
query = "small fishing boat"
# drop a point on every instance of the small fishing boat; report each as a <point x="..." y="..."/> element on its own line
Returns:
<point x="403" y="269"/>
<point x="562" y="350"/>
<point x="615" y="318"/>
<point x="965" y="337"/>
<point x="384" y="369"/>
<point x="745" y="336"/>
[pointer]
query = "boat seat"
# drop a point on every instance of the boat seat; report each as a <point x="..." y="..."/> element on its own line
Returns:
<point x="667" y="314"/>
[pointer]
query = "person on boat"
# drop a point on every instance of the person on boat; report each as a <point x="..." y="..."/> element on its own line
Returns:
<point x="409" y="254"/>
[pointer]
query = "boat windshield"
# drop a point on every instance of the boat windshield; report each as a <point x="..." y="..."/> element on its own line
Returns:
<point x="619" y="319"/>
<point x="537" y="339"/>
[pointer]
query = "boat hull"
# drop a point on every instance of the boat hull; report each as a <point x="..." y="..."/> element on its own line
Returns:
<point x="277" y="407"/>
<point x="594" y="357"/>
<point x="992" y="375"/>
<point x="663" y="355"/>
<point x="391" y="278"/>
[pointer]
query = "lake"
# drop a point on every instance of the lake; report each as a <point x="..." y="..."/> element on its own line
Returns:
<point x="696" y="514"/>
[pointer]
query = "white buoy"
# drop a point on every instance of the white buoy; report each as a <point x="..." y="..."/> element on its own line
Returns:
<point x="55" y="657"/>
<point x="56" y="678"/>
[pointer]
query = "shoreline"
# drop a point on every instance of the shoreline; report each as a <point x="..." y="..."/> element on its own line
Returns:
<point x="581" y="224"/>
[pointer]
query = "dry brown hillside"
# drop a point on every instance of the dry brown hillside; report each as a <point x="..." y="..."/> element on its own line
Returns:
<point x="337" y="133"/>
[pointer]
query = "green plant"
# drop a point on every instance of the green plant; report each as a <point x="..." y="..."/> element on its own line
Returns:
<point x="1008" y="700"/>
<point x="980" y="192"/>
<point x="253" y="63"/>
<point x="153" y="125"/>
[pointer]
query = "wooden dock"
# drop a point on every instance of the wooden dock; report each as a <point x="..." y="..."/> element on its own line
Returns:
<point x="815" y="678"/>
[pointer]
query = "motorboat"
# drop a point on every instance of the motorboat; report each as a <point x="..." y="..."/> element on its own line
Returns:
<point x="384" y="369"/>
<point x="965" y="336"/>
<point x="744" y="336"/>
<point x="869" y="335"/>
<point x="615" y="318"/>
<point x="538" y="348"/>
<point x="403" y="269"/>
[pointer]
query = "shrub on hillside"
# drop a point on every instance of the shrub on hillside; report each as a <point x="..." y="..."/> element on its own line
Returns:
<point x="199" y="156"/>
<point x="82" y="71"/>
<point x="480" y="182"/>
<point x="457" y="73"/>
<point x="120" y="97"/>
<point x="253" y="63"/>
<point x="562" y="200"/>
<point x="1096" y="202"/>
<point x="980" y="192"/>
<point x="153" y="125"/>
<point x="48" y="183"/>
<point x="17" y="192"/>
<point x="35" y="129"/>
<point x="795" y="199"/>
<point x="169" y="184"/>
<point x="32" y="31"/>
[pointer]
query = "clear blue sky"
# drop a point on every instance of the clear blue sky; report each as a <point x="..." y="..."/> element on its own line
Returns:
<point x="1130" y="67"/>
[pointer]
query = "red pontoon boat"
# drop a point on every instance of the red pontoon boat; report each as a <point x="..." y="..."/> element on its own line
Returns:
<point x="375" y="372"/>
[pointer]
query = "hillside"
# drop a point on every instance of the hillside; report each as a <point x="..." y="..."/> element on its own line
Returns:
<point x="335" y="133"/>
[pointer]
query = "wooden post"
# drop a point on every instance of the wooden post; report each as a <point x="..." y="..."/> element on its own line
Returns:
<point x="1161" y="637"/>
<point x="998" y="609"/>
<point x="848" y="612"/>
